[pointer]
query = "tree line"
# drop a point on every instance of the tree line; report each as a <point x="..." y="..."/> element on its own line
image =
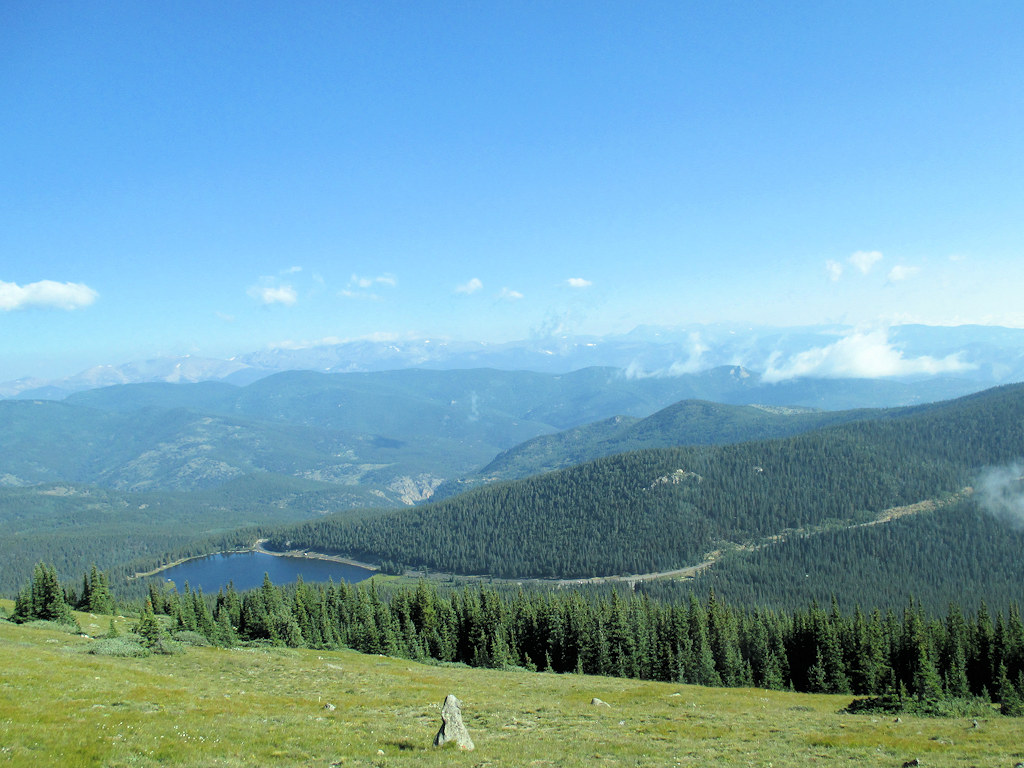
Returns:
<point x="910" y="658"/>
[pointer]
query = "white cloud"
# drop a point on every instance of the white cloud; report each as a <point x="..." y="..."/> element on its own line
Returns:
<point x="693" y="363"/>
<point x="834" y="269"/>
<point x="860" y="355"/>
<point x="274" y="294"/>
<point x="900" y="272"/>
<point x="358" y="286"/>
<point x="472" y="286"/>
<point x="369" y="282"/>
<point x="1001" y="494"/>
<point x="578" y="282"/>
<point x="865" y="260"/>
<point x="330" y="341"/>
<point x="367" y="295"/>
<point x="509" y="295"/>
<point x="46" y="293"/>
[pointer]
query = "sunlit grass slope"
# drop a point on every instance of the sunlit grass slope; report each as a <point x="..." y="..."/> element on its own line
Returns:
<point x="214" y="707"/>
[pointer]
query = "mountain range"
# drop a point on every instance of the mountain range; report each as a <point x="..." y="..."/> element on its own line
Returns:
<point x="394" y="437"/>
<point x="975" y="356"/>
<point x="135" y="470"/>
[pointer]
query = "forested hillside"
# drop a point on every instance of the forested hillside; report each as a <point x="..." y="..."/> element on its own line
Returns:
<point x="688" y="422"/>
<point x="72" y="526"/>
<point x="957" y="553"/>
<point x="661" y="509"/>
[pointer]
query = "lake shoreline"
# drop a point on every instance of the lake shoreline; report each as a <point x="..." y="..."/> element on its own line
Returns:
<point x="258" y="547"/>
<point x="303" y="553"/>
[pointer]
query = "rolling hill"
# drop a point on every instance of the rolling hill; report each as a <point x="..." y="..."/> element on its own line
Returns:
<point x="688" y="422"/>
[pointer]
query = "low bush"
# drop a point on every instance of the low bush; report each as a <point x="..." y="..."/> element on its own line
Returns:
<point x="167" y="646"/>
<point x="127" y="646"/>
<point x="894" y="705"/>
<point x="188" y="637"/>
<point x="58" y="626"/>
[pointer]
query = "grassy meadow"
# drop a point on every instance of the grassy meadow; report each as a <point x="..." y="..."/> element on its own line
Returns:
<point x="267" y="707"/>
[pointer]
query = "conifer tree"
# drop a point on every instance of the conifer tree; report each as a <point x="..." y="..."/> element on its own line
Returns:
<point x="99" y="599"/>
<point x="226" y="635"/>
<point x="43" y="599"/>
<point x="953" y="659"/>
<point x="148" y="628"/>
<point x="1008" y="697"/>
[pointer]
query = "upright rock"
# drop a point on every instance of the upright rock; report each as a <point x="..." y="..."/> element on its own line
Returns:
<point x="452" y="727"/>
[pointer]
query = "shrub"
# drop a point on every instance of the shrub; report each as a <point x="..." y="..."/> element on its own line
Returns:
<point x="127" y="646"/>
<point x="57" y="626"/>
<point x="166" y="646"/>
<point x="948" y="707"/>
<point x="188" y="637"/>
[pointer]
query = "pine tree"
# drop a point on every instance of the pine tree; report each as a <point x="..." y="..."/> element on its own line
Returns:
<point x="43" y="599"/>
<point x="1008" y="697"/>
<point x="953" y="659"/>
<point x="148" y="628"/>
<point x="226" y="635"/>
<point x="99" y="599"/>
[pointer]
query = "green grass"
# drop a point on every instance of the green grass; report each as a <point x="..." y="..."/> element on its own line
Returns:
<point x="212" y="707"/>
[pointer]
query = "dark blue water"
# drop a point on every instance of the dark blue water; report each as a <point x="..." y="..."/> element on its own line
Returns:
<point x="246" y="569"/>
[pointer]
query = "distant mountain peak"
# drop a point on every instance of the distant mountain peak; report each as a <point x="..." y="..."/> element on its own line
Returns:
<point x="984" y="355"/>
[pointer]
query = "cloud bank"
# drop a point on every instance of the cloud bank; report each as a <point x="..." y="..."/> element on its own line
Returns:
<point x="694" y="362"/>
<point x="46" y="293"/>
<point x="859" y="355"/>
<point x="578" y="282"/>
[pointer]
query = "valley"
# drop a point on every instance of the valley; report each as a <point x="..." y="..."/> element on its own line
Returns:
<point x="149" y="474"/>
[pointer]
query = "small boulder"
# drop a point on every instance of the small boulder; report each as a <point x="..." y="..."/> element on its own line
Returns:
<point x="595" y="702"/>
<point x="329" y="707"/>
<point x="452" y="727"/>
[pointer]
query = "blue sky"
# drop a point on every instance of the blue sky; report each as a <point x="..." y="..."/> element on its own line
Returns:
<point x="214" y="178"/>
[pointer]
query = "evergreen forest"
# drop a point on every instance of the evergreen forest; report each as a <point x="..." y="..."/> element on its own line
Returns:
<point x="910" y="660"/>
<point x="662" y="509"/>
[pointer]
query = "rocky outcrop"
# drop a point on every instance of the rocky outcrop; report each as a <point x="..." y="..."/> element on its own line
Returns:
<point x="452" y="727"/>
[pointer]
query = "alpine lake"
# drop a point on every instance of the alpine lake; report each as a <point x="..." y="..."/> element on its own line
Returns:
<point x="245" y="570"/>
